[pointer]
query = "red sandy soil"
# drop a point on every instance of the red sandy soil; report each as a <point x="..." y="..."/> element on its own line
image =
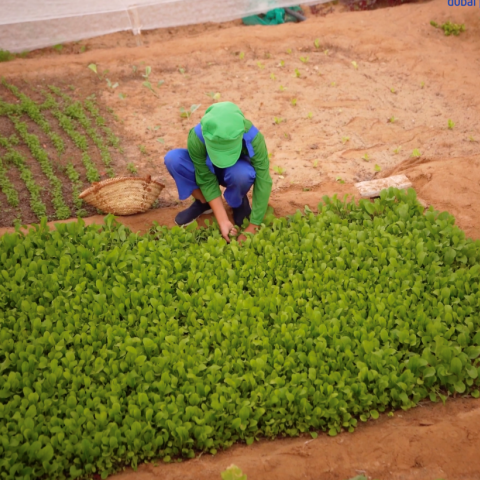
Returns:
<point x="434" y="78"/>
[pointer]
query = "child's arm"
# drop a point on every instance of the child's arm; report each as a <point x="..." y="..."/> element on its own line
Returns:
<point x="226" y="226"/>
<point x="208" y="184"/>
<point x="263" y="182"/>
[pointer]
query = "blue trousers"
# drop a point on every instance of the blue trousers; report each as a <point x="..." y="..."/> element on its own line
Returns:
<point x="238" y="179"/>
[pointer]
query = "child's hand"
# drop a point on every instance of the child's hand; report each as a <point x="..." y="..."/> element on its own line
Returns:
<point x="227" y="229"/>
<point x="250" y="229"/>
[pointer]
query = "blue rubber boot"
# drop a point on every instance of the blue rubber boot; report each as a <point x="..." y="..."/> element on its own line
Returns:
<point x="242" y="212"/>
<point x="190" y="214"/>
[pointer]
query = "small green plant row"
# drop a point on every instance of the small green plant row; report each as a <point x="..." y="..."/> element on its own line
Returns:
<point x="66" y="124"/>
<point x="62" y="211"/>
<point x="80" y="141"/>
<point x="76" y="112"/>
<point x="73" y="111"/>
<point x="6" y="56"/>
<point x="66" y="98"/>
<point x="30" y="108"/>
<point x="7" y="187"/>
<point x="77" y="187"/>
<point x="80" y="123"/>
<point x="100" y="121"/>
<point x="14" y="157"/>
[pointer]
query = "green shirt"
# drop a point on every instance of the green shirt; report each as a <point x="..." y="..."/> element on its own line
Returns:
<point x="208" y="182"/>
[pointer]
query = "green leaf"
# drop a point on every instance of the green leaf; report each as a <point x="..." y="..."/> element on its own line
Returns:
<point x="456" y="366"/>
<point x="45" y="454"/>
<point x="20" y="274"/>
<point x="118" y="292"/>
<point x="140" y="360"/>
<point x="449" y="256"/>
<point x="429" y="372"/>
<point x="460" y="386"/>
<point x="369" y="207"/>
<point x="473" y="352"/>
<point x="472" y="372"/>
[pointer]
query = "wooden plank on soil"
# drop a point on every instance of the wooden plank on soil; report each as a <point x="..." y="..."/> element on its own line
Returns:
<point x="372" y="188"/>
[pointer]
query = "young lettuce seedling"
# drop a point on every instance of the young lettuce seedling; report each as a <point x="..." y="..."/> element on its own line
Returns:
<point x="214" y="96"/>
<point x="416" y="153"/>
<point x="184" y="113"/>
<point x="111" y="85"/>
<point x="148" y="85"/>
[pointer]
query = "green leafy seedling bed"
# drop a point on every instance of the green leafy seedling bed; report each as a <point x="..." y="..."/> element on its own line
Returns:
<point x="117" y="349"/>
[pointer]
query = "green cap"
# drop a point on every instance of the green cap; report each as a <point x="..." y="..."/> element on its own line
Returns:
<point x="223" y="128"/>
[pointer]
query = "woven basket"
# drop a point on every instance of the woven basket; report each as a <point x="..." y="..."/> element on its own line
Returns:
<point x="123" y="195"/>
